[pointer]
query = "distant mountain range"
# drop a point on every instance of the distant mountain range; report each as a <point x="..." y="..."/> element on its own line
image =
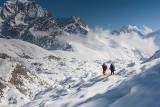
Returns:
<point x="146" y="33"/>
<point x="133" y="29"/>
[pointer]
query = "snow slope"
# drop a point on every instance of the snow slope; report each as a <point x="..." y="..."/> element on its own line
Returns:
<point x="19" y="48"/>
<point x="140" y="91"/>
<point x="122" y="89"/>
<point x="17" y="82"/>
<point x="83" y="71"/>
<point x="108" y="91"/>
<point x="43" y="77"/>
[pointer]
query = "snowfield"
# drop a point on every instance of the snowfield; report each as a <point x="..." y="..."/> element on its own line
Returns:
<point x="34" y="77"/>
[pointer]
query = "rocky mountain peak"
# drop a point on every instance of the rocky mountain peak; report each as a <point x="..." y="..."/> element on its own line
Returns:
<point x="127" y="28"/>
<point x="28" y="21"/>
<point x="73" y="25"/>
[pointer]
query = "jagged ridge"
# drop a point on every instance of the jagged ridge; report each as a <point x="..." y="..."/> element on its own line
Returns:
<point x="30" y="22"/>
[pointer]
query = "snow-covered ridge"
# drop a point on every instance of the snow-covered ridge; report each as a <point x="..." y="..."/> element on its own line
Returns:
<point x="28" y="21"/>
<point x="73" y="25"/>
<point x="155" y="56"/>
<point x="19" y="48"/>
<point x="144" y="33"/>
<point x="22" y="20"/>
<point x="133" y="29"/>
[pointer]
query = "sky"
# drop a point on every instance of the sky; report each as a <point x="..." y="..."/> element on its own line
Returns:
<point x="111" y="14"/>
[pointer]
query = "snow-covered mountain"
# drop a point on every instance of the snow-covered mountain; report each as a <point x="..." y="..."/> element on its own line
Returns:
<point x="133" y="29"/>
<point x="73" y="25"/>
<point x="23" y="16"/>
<point x="32" y="74"/>
<point x="28" y="21"/>
<point x="144" y="33"/>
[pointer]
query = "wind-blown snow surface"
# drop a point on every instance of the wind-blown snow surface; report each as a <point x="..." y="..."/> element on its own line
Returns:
<point x="141" y="91"/>
<point x="16" y="81"/>
<point x="16" y="48"/>
<point x="80" y="69"/>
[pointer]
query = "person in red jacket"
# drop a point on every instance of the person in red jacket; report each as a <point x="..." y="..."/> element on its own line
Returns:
<point x="104" y="67"/>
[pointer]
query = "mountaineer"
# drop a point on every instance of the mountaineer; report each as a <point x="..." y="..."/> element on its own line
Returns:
<point x="104" y="66"/>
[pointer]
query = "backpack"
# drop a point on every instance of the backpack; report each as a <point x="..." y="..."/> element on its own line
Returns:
<point x="112" y="67"/>
<point x="104" y="67"/>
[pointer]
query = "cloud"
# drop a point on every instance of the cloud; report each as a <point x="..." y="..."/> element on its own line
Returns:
<point x="133" y="39"/>
<point x="102" y="40"/>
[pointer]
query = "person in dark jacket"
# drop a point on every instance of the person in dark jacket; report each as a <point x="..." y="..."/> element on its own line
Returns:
<point x="112" y="69"/>
<point x="104" y="66"/>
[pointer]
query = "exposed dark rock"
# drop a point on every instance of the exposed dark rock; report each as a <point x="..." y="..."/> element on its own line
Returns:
<point x="73" y="25"/>
<point x="4" y="56"/>
<point x="1" y="87"/>
<point x="18" y="74"/>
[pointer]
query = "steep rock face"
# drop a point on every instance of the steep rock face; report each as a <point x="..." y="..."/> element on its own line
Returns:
<point x="73" y="25"/>
<point x="26" y="20"/>
<point x="17" y="15"/>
